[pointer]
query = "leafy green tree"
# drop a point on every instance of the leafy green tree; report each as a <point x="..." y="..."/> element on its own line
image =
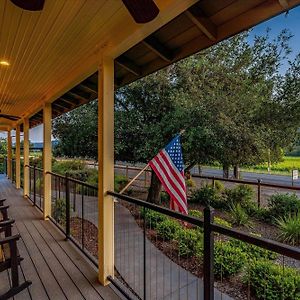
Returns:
<point x="3" y="146"/>
<point x="232" y="100"/>
<point x="77" y="133"/>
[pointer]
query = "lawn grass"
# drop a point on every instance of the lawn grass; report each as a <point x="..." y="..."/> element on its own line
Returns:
<point x="285" y="167"/>
<point x="288" y="164"/>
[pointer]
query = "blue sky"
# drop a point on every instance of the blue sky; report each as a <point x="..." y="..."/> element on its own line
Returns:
<point x="290" y="21"/>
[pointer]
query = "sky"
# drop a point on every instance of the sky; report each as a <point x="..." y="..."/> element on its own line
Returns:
<point x="290" y="21"/>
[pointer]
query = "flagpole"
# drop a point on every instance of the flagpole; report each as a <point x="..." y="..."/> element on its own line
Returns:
<point x="133" y="179"/>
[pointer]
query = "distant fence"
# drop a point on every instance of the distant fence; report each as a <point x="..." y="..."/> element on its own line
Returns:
<point x="128" y="172"/>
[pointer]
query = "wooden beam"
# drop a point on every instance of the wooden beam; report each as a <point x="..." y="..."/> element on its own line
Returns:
<point x="154" y="45"/>
<point x="106" y="170"/>
<point x="61" y="105"/>
<point x="88" y="87"/>
<point x="26" y="158"/>
<point x="128" y="65"/>
<point x="203" y="23"/>
<point x="284" y="4"/>
<point x="47" y="159"/>
<point x="18" y="158"/>
<point x="73" y="103"/>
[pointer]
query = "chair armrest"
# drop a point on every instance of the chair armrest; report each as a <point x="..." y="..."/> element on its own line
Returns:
<point x="4" y="207"/>
<point x="7" y="223"/>
<point x="9" y="239"/>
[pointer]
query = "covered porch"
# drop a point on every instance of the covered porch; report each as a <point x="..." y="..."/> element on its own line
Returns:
<point x="79" y="53"/>
<point x="56" y="267"/>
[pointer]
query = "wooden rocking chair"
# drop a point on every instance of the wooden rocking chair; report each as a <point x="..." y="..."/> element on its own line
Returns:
<point x="10" y="259"/>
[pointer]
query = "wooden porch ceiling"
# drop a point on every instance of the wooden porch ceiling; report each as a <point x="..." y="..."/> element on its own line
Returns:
<point x="197" y="27"/>
<point x="202" y="25"/>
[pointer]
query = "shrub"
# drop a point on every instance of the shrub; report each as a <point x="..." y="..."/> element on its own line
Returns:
<point x="252" y="251"/>
<point x="39" y="184"/>
<point x="219" y="186"/>
<point x="196" y="213"/>
<point x="152" y="218"/>
<point x="222" y="222"/>
<point x="207" y="195"/>
<point x="164" y="197"/>
<point x="289" y="229"/>
<point x="229" y="260"/>
<point x="66" y="166"/>
<point x="120" y="182"/>
<point x="190" y="183"/>
<point x="190" y="242"/>
<point x="238" y="215"/>
<point x="269" y="281"/>
<point x="168" y="229"/>
<point x="59" y="211"/>
<point x="283" y="205"/>
<point x="241" y="194"/>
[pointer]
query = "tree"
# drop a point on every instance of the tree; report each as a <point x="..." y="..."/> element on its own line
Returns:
<point x="3" y="146"/>
<point x="77" y="133"/>
<point x="233" y="101"/>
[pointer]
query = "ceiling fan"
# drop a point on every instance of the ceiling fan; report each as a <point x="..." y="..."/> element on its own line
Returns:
<point x="142" y="11"/>
<point x="9" y="117"/>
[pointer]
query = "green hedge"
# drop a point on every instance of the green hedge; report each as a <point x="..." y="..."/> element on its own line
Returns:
<point x="269" y="281"/>
<point x="229" y="260"/>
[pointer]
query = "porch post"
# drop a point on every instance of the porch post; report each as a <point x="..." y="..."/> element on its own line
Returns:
<point x="9" y="154"/>
<point x="105" y="168"/>
<point x="47" y="158"/>
<point x="26" y="157"/>
<point x="18" y="158"/>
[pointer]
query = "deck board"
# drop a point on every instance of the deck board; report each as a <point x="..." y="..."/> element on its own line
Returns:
<point x="57" y="270"/>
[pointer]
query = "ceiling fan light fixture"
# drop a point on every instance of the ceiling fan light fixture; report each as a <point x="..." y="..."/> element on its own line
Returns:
<point x="31" y="5"/>
<point x="4" y="63"/>
<point x="142" y="11"/>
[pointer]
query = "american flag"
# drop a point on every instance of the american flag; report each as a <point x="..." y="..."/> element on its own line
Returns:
<point x="168" y="166"/>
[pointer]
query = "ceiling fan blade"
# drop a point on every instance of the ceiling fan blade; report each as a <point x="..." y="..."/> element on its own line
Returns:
<point x="10" y="117"/>
<point x="142" y="11"/>
<point x="32" y="5"/>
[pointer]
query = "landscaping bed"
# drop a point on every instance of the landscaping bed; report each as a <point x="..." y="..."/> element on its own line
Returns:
<point x="243" y="271"/>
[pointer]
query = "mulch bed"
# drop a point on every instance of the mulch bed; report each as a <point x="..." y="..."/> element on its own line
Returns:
<point x="90" y="238"/>
<point x="232" y="286"/>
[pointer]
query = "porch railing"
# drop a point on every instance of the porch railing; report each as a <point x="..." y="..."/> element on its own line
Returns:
<point x="36" y="186"/>
<point x="150" y="275"/>
<point x="146" y="264"/>
<point x="74" y="208"/>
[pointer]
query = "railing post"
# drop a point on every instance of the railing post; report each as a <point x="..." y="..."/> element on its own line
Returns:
<point x="258" y="191"/>
<point x="144" y="251"/>
<point x="208" y="265"/>
<point x="213" y="182"/>
<point x="67" y="206"/>
<point x="34" y="185"/>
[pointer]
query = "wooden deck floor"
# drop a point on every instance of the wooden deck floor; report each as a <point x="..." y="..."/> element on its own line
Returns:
<point x="57" y="270"/>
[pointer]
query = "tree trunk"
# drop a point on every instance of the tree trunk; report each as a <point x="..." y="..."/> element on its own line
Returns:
<point x="236" y="172"/>
<point x="225" y="171"/>
<point x="154" y="190"/>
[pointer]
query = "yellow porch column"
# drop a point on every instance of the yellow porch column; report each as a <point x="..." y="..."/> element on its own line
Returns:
<point x="47" y="159"/>
<point x="18" y="158"/>
<point x="106" y="169"/>
<point x="26" y="157"/>
<point x="9" y="154"/>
